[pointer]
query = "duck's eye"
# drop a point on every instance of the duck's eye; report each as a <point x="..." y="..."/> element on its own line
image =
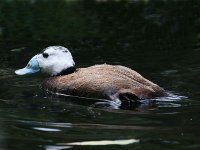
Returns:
<point x="45" y="55"/>
<point x="29" y="66"/>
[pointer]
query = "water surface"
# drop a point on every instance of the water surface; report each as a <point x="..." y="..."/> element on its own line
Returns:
<point x="159" y="39"/>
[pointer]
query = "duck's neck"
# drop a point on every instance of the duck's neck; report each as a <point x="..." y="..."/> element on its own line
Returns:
<point x="67" y="71"/>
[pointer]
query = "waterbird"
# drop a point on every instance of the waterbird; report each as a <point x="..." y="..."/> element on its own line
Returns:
<point x="112" y="82"/>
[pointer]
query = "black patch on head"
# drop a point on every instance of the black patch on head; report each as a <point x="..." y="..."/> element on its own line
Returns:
<point x="45" y="55"/>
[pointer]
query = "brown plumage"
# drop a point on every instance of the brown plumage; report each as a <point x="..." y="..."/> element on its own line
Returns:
<point x="104" y="81"/>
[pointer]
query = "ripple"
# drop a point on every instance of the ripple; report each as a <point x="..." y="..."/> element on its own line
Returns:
<point x="49" y="147"/>
<point x="60" y="146"/>
<point x="6" y="73"/>
<point x="168" y="101"/>
<point x="47" y="126"/>
<point x="103" y="142"/>
<point x="46" y="129"/>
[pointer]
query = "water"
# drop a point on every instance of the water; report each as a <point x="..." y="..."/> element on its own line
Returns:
<point x="159" y="39"/>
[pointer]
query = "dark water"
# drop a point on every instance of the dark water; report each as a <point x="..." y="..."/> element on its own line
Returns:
<point x="159" y="39"/>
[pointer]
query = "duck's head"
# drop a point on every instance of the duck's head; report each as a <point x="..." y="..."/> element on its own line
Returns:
<point x="52" y="60"/>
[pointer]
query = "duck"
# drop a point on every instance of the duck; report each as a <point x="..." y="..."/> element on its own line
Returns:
<point x="112" y="82"/>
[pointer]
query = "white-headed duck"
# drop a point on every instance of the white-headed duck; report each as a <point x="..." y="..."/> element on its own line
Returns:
<point x="98" y="81"/>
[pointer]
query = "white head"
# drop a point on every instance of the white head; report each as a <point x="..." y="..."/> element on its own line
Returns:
<point x="53" y="60"/>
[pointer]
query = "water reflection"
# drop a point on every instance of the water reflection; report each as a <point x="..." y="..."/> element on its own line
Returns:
<point x="52" y="126"/>
<point x="104" y="142"/>
<point x="46" y="129"/>
<point x="57" y="147"/>
<point x="171" y="100"/>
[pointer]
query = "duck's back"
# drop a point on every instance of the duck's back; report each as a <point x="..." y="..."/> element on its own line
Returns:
<point x="104" y="81"/>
